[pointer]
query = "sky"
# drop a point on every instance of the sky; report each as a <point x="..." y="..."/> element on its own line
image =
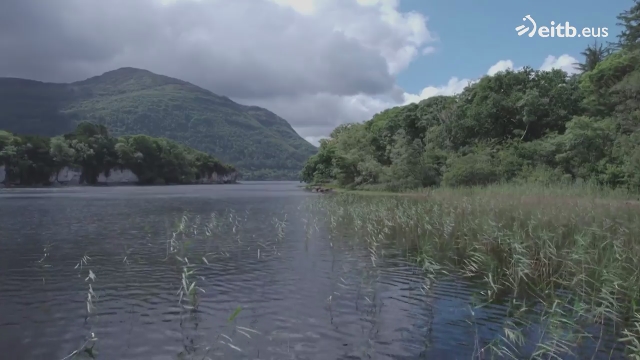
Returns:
<point x="316" y="63"/>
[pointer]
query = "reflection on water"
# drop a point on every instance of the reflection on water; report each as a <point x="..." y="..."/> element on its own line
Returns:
<point x="301" y="292"/>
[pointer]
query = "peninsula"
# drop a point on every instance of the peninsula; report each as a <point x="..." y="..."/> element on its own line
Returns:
<point x="90" y="155"/>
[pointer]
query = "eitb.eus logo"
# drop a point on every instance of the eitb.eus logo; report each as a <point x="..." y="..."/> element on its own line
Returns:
<point x="559" y="30"/>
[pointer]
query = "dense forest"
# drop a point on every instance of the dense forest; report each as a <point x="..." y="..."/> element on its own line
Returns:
<point x="32" y="159"/>
<point x="130" y="101"/>
<point x="524" y="126"/>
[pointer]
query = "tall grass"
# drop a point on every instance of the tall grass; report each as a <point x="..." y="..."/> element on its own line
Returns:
<point x="566" y="260"/>
<point x="582" y="190"/>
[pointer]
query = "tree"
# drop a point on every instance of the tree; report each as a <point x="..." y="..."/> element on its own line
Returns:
<point x="31" y="160"/>
<point x="630" y="21"/>
<point x="593" y="55"/>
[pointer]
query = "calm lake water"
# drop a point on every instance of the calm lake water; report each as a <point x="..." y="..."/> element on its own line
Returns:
<point x="301" y="294"/>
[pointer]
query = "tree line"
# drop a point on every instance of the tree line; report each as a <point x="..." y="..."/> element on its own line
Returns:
<point x="526" y="125"/>
<point x="31" y="159"/>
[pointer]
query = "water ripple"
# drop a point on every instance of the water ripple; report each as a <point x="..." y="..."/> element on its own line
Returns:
<point x="306" y="295"/>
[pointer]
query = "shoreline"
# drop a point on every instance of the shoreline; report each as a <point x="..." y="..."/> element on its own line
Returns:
<point x="317" y="189"/>
<point x="543" y="194"/>
<point x="325" y="188"/>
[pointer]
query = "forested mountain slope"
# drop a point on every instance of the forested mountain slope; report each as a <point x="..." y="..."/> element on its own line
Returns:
<point x="132" y="101"/>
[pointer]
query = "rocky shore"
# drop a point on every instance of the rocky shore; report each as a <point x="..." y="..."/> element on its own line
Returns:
<point x="68" y="176"/>
<point x="319" y="189"/>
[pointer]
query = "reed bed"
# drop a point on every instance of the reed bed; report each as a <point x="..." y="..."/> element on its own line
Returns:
<point x="566" y="263"/>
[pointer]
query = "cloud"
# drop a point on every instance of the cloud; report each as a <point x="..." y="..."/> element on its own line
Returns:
<point x="236" y="48"/>
<point x="308" y="60"/>
<point x="315" y="140"/>
<point x="501" y="65"/>
<point x="564" y="62"/>
<point x="316" y="63"/>
<point x="428" y="50"/>
<point x="318" y="114"/>
<point x="455" y="85"/>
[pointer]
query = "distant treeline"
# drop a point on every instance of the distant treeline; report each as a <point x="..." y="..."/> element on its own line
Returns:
<point x="527" y="125"/>
<point x="31" y="160"/>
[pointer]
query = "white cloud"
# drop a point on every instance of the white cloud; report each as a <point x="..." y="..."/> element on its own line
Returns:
<point x="325" y="111"/>
<point x="564" y="62"/>
<point x="428" y="50"/>
<point x="454" y="86"/>
<point x="377" y="24"/>
<point x="306" y="7"/>
<point x="501" y="65"/>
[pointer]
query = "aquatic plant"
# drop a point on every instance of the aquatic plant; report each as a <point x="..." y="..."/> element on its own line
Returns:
<point x="87" y="348"/>
<point x="177" y="246"/>
<point x="280" y="227"/>
<point x="186" y="231"/>
<point x="569" y="266"/>
<point x="46" y="250"/>
<point x="188" y="287"/>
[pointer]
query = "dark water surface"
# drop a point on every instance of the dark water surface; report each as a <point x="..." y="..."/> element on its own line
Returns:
<point x="305" y="295"/>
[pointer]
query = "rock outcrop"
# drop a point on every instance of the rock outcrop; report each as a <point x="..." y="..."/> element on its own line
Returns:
<point x="319" y="189"/>
<point x="66" y="176"/>
<point x="219" y="179"/>
<point x="73" y="176"/>
<point x="118" y="176"/>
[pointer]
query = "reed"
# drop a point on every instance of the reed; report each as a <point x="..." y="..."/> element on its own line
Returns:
<point x="88" y="347"/>
<point x="177" y="246"/>
<point x="190" y="230"/>
<point x="567" y="260"/>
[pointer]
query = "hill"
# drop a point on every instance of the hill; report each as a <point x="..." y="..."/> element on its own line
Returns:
<point x="131" y="101"/>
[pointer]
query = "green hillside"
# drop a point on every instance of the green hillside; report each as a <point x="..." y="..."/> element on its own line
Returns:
<point x="131" y="101"/>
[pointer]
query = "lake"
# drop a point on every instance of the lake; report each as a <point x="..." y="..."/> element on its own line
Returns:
<point x="272" y="281"/>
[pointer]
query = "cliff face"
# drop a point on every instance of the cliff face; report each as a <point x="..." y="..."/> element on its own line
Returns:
<point x="73" y="176"/>
<point x="229" y="178"/>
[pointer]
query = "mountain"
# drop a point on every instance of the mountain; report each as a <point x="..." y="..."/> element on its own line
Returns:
<point x="129" y="101"/>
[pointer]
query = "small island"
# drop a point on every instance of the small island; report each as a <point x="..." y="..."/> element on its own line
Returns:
<point x="91" y="156"/>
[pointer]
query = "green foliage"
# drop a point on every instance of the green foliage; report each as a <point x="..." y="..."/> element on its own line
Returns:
<point x="630" y="21"/>
<point x="612" y="85"/>
<point x="32" y="160"/>
<point x="131" y="101"/>
<point x="25" y="158"/>
<point x="593" y="55"/>
<point x="470" y="170"/>
<point x="515" y="126"/>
